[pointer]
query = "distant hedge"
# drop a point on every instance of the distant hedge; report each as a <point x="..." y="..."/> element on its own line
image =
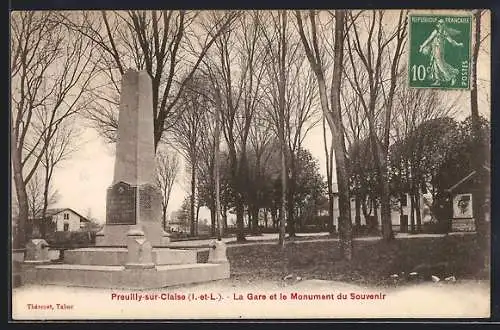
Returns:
<point x="68" y="239"/>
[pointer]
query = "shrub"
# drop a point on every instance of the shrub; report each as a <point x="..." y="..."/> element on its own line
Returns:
<point x="435" y="227"/>
<point x="67" y="239"/>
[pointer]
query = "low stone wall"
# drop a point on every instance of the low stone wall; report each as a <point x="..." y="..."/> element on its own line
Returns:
<point x="54" y="254"/>
<point x="18" y="255"/>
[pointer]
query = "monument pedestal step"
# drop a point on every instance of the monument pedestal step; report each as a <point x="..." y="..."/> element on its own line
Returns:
<point x="118" y="256"/>
<point x="100" y="276"/>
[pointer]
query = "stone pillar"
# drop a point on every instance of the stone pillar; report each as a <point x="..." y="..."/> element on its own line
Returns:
<point x="217" y="253"/>
<point x="133" y="199"/>
<point x="135" y="152"/>
<point x="100" y="236"/>
<point x="140" y="251"/>
<point x="37" y="251"/>
<point x="165" y="238"/>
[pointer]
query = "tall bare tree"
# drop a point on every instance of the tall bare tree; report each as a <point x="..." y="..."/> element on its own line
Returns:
<point x="36" y="196"/>
<point x="261" y="147"/>
<point x="187" y="134"/>
<point x="50" y="75"/>
<point x="167" y="168"/>
<point x="59" y="149"/>
<point x="298" y="115"/>
<point x="355" y="130"/>
<point x="301" y="116"/>
<point x="233" y="67"/>
<point x="277" y="36"/>
<point x="39" y="198"/>
<point x="479" y="211"/>
<point x="414" y="107"/>
<point x="216" y="173"/>
<point x="168" y="44"/>
<point x="370" y="40"/>
<point x="329" y="153"/>
<point x="332" y="111"/>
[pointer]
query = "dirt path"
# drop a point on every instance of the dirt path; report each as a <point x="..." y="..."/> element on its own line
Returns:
<point x="322" y="237"/>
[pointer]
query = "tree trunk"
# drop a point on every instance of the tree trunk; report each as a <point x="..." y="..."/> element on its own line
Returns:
<point x="255" y="219"/>
<point x="192" y="229"/>
<point x="238" y="179"/>
<point x="42" y="228"/>
<point x="290" y="203"/>
<point x="345" y="224"/>
<point x="282" y="215"/>
<point x="240" y="221"/>
<point x="249" y="221"/>
<point x="412" y="212"/>
<point x="357" y="216"/>
<point x="224" y="218"/>
<point x="401" y="214"/>
<point x="291" y="192"/>
<point x="164" y="216"/>
<point x="331" y="215"/>
<point x="333" y="116"/>
<point x="401" y="208"/>
<point x="281" y="124"/>
<point x="22" y="198"/>
<point x="213" y="223"/>
<point x="375" y="214"/>
<point x="480" y="195"/>
<point x="366" y="214"/>
<point x="418" y="213"/>
<point x="216" y="174"/>
<point x="299" y="219"/>
<point x="385" y="201"/>
<point x="198" y="206"/>
<point x="291" y="218"/>
<point x="385" y="210"/>
<point x="381" y="166"/>
<point x="329" y="183"/>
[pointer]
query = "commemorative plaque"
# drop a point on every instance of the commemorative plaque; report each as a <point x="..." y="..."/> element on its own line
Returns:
<point x="121" y="205"/>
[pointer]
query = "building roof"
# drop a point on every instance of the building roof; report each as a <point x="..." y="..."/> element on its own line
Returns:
<point x="55" y="211"/>
<point x="467" y="178"/>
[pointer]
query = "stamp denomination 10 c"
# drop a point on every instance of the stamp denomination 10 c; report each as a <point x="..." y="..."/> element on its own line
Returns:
<point x="439" y="54"/>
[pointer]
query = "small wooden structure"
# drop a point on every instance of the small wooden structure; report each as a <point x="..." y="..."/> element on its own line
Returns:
<point x="466" y="201"/>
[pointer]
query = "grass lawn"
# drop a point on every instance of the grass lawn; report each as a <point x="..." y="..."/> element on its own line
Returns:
<point x="373" y="262"/>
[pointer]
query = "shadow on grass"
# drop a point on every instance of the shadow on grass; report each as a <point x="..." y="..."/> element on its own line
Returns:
<point x="373" y="262"/>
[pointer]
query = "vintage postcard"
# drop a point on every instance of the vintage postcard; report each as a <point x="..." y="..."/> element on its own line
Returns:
<point x="250" y="164"/>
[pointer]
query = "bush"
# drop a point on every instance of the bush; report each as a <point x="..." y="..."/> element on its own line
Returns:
<point x="364" y="230"/>
<point x="68" y="239"/>
<point x="269" y="230"/>
<point x="314" y="229"/>
<point x="435" y="227"/>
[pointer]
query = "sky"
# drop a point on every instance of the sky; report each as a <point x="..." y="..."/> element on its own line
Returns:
<point x="82" y="180"/>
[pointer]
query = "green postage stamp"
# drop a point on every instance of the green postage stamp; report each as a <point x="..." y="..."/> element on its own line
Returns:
<point x="440" y="48"/>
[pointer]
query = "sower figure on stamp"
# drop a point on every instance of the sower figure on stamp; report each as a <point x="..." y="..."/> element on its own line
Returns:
<point x="434" y="46"/>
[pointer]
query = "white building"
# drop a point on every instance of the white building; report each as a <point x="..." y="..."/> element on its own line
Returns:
<point x="66" y="219"/>
<point x="395" y="213"/>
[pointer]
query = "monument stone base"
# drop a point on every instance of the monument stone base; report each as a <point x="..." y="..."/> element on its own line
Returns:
<point x="116" y="235"/>
<point x="102" y="267"/>
<point x="125" y="278"/>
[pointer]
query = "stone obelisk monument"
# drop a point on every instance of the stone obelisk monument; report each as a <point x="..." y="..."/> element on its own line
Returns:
<point x="133" y="201"/>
